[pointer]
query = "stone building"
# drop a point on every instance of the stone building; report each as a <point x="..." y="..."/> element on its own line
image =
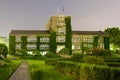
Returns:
<point x="58" y="35"/>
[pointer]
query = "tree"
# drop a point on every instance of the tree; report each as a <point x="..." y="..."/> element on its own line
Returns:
<point x="3" y="50"/>
<point x="65" y="52"/>
<point x="114" y="35"/>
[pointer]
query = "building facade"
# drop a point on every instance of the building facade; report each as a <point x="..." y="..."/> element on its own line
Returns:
<point x="58" y="35"/>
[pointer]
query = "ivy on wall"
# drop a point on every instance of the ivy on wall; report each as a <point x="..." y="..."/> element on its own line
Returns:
<point x="53" y="44"/>
<point x="38" y="42"/>
<point x="106" y="43"/>
<point x="68" y="42"/>
<point x="24" y="42"/>
<point x="11" y="45"/>
<point x="95" y="42"/>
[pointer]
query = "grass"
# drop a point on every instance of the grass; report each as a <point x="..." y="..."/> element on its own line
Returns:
<point x="8" y="68"/>
<point x="40" y="71"/>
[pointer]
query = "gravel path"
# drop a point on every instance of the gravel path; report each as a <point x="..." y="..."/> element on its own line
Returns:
<point x="22" y="72"/>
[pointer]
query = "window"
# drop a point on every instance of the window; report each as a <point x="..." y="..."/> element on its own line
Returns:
<point x="76" y="39"/>
<point x="44" y="47"/>
<point x="18" y="46"/>
<point x="18" y="39"/>
<point x="32" y="39"/>
<point x="61" y="31"/>
<point x="60" y="38"/>
<point x="31" y="46"/>
<point x="44" y="39"/>
<point x="76" y="46"/>
<point x="88" y="39"/>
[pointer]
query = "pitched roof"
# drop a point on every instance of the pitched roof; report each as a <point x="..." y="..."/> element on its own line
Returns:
<point x="29" y="32"/>
<point x="88" y="33"/>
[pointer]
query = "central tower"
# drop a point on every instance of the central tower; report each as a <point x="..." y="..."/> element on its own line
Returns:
<point x="61" y="26"/>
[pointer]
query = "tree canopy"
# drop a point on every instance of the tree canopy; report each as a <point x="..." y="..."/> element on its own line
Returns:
<point x="3" y="50"/>
<point x="114" y="35"/>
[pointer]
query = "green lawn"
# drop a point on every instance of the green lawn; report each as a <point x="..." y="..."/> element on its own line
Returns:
<point x="40" y="71"/>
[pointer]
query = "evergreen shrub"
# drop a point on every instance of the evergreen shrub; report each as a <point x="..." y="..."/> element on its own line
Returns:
<point x="88" y="71"/>
<point x="51" y="61"/>
<point x="100" y="52"/>
<point x="51" y="55"/>
<point x="92" y="60"/>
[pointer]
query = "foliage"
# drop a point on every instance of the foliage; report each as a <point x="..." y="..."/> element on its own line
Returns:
<point x="38" y="42"/>
<point x="40" y="71"/>
<point x="64" y="51"/>
<point x="36" y="53"/>
<point x="92" y="60"/>
<point x="51" y="55"/>
<point x="95" y="42"/>
<point x="3" y="50"/>
<point x="22" y="52"/>
<point x="88" y="71"/>
<point x="68" y="42"/>
<point x="11" y="45"/>
<point x="53" y="44"/>
<point x="113" y="64"/>
<point x="51" y="61"/>
<point x="111" y="58"/>
<point x="100" y="52"/>
<point x="8" y="69"/>
<point x="114" y="35"/>
<point x="76" y="57"/>
<point x="106" y="43"/>
<point x="24" y="42"/>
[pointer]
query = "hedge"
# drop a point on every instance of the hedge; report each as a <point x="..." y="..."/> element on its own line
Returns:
<point x="87" y="71"/>
<point x="51" y="61"/>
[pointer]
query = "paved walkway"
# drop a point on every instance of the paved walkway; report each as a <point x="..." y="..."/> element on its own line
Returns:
<point x="22" y="72"/>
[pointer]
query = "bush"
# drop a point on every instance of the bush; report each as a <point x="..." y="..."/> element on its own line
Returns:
<point x="88" y="71"/>
<point x="77" y="57"/>
<point x="100" y="52"/>
<point x="64" y="51"/>
<point x="51" y="61"/>
<point x="51" y="55"/>
<point x="113" y="64"/>
<point x="92" y="60"/>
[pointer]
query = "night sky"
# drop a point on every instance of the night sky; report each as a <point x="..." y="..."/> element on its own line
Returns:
<point x="34" y="14"/>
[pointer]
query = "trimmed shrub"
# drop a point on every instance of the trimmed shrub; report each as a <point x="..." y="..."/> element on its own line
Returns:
<point x="113" y="64"/>
<point x="51" y="61"/>
<point x="51" y="55"/>
<point x="88" y="71"/>
<point x="100" y="52"/>
<point x="92" y="60"/>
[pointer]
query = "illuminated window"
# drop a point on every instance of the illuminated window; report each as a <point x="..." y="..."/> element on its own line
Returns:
<point x="61" y="31"/>
<point x="60" y="38"/>
<point x="44" y="47"/>
<point x="18" y="38"/>
<point x="31" y="46"/>
<point x="44" y="39"/>
<point x="76" y="46"/>
<point x="76" y="39"/>
<point x="18" y="46"/>
<point x="32" y="39"/>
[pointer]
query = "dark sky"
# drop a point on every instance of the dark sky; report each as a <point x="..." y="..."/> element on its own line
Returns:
<point x="34" y="14"/>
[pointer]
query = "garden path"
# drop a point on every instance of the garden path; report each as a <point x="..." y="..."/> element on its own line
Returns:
<point x="22" y="72"/>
